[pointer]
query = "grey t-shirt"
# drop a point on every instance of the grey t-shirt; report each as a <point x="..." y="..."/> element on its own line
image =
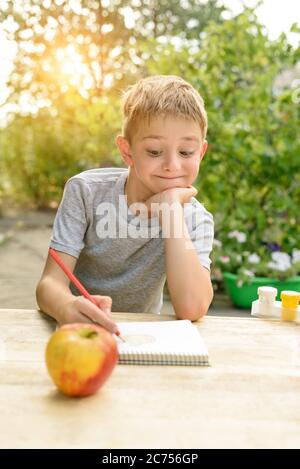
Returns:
<point x="120" y="255"/>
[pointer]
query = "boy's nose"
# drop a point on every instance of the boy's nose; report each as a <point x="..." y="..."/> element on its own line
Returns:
<point x="171" y="164"/>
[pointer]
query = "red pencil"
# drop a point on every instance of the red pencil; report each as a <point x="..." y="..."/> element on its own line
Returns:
<point x="75" y="281"/>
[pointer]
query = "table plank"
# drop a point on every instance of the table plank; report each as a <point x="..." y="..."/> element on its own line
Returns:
<point x="248" y="398"/>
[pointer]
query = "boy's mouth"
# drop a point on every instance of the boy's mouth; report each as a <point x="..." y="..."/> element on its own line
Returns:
<point x="175" y="177"/>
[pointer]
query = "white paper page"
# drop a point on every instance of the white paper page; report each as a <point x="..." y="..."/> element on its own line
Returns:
<point x="161" y="337"/>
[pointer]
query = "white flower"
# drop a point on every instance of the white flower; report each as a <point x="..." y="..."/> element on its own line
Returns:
<point x="217" y="243"/>
<point x="248" y="272"/>
<point x="224" y="259"/>
<point x="296" y="255"/>
<point x="254" y="259"/>
<point x="280" y="261"/>
<point x="238" y="235"/>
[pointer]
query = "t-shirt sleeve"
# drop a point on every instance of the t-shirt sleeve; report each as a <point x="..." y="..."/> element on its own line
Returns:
<point x="201" y="229"/>
<point x="71" y="219"/>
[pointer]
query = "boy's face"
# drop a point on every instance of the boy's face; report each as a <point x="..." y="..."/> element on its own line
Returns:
<point x="163" y="154"/>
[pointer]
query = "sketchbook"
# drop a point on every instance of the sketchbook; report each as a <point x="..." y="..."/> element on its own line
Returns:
<point x="161" y="343"/>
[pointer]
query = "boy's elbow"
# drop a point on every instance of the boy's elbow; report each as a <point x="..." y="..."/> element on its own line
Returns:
<point x="38" y="293"/>
<point x="40" y="290"/>
<point x="194" y="311"/>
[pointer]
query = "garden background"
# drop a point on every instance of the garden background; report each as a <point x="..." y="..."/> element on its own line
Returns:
<point x="72" y="61"/>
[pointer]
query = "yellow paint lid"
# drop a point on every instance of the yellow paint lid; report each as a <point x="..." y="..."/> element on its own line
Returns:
<point x="290" y="299"/>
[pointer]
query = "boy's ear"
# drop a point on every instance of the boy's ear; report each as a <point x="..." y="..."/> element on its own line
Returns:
<point x="124" y="148"/>
<point x="203" y="149"/>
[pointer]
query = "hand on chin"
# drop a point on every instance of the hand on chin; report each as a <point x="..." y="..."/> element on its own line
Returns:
<point x="170" y="195"/>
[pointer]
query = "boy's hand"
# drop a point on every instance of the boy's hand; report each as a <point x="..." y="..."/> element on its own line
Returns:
<point x="81" y="309"/>
<point x="179" y="195"/>
<point x="176" y="194"/>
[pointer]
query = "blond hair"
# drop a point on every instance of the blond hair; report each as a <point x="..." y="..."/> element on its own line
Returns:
<point x="161" y="95"/>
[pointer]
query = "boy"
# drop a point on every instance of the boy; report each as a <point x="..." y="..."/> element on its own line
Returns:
<point x="152" y="229"/>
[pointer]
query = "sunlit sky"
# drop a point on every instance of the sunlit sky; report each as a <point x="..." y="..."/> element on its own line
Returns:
<point x="276" y="15"/>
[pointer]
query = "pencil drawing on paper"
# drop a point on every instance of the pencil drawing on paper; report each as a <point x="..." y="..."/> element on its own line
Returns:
<point x="136" y="340"/>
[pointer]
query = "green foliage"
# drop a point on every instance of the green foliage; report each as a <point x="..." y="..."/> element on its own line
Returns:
<point x="173" y="18"/>
<point x="41" y="152"/>
<point x="50" y="34"/>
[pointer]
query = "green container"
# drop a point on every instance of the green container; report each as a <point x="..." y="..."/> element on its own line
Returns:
<point x="244" y="295"/>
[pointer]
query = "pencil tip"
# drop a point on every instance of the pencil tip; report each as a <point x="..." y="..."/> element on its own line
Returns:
<point x="118" y="334"/>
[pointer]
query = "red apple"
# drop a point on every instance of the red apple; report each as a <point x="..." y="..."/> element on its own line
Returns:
<point x="80" y="357"/>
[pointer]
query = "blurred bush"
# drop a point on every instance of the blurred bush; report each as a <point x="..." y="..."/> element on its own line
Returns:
<point x="40" y="152"/>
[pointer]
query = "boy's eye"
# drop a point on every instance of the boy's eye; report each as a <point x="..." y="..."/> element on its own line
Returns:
<point x="187" y="153"/>
<point x="154" y="152"/>
<point x="182" y="153"/>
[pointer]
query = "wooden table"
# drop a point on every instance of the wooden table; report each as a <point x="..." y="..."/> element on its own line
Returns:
<point x="249" y="397"/>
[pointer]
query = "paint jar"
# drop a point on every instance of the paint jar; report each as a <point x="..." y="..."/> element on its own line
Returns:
<point x="289" y="305"/>
<point x="266" y="300"/>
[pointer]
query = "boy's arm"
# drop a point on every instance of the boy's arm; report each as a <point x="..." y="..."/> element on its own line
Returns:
<point x="189" y="282"/>
<point x="53" y="290"/>
<point x="55" y="298"/>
